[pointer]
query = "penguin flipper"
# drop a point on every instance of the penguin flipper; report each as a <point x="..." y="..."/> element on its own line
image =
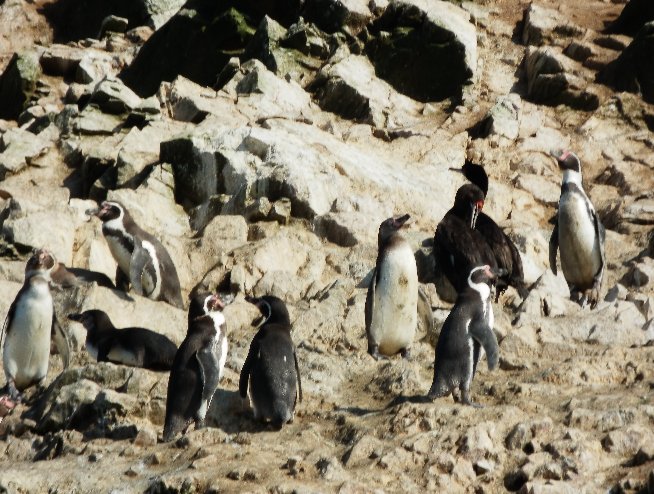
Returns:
<point x="370" y="299"/>
<point x="139" y="264"/>
<point x="554" y="246"/>
<point x="10" y="316"/>
<point x="297" y="372"/>
<point x="483" y="334"/>
<point x="244" y="378"/>
<point x="424" y="311"/>
<point x="62" y="341"/>
<point x="210" y="372"/>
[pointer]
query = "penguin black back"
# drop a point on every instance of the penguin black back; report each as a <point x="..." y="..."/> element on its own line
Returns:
<point x="137" y="347"/>
<point x="271" y="367"/>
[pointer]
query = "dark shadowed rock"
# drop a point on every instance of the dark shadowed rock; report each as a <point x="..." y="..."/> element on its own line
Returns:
<point x="426" y="50"/>
<point x="632" y="70"/>
<point x="350" y="16"/>
<point x="633" y="17"/>
<point x="18" y="83"/>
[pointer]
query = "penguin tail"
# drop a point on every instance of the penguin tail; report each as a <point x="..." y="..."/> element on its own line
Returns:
<point x="282" y="414"/>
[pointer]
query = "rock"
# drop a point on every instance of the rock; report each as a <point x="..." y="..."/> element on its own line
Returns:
<point x="19" y="147"/>
<point x="112" y="96"/>
<point x="641" y="274"/>
<point x="146" y="438"/>
<point x="632" y="18"/>
<point x="363" y="453"/>
<point x="502" y="120"/>
<point x="62" y="60"/>
<point x="114" y="24"/>
<point x="542" y="188"/>
<point x="93" y="67"/>
<point x="414" y="37"/>
<point x="640" y="212"/>
<point x="351" y="16"/>
<point x="18" y="83"/>
<point x="543" y="26"/>
<point x="194" y="43"/>
<point x="549" y="81"/>
<point x="626" y="441"/>
<point x="351" y="89"/>
<point x="92" y="121"/>
<point x="226" y="232"/>
<point x="627" y="72"/>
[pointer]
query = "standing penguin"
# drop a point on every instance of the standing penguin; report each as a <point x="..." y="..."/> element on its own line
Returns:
<point x="458" y="245"/>
<point x="578" y="234"/>
<point x="137" y="347"/>
<point x="467" y="329"/>
<point x="271" y="367"/>
<point x="142" y="260"/>
<point x="29" y="326"/>
<point x="198" y="365"/>
<point x="506" y="253"/>
<point x="391" y="311"/>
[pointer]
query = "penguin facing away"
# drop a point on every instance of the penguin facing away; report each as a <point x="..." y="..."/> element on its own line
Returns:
<point x="29" y="328"/>
<point x="198" y="365"/>
<point x="136" y="347"/>
<point x="578" y="234"/>
<point x="271" y="368"/>
<point x="391" y="311"/>
<point x="506" y="253"/>
<point x="467" y="329"/>
<point x="142" y="260"/>
<point x="458" y="246"/>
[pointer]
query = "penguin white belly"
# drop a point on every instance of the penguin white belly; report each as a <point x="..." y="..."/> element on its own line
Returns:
<point x="151" y="286"/>
<point x="122" y="256"/>
<point x="578" y="241"/>
<point x="395" y="313"/>
<point x="124" y="356"/>
<point x="27" y="345"/>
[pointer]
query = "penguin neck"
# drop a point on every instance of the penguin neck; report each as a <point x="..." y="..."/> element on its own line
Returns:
<point x="482" y="289"/>
<point x="218" y="319"/>
<point x="572" y="177"/>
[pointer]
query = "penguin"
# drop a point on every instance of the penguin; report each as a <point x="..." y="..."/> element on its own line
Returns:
<point x="29" y="328"/>
<point x="198" y="365"/>
<point x="391" y="310"/>
<point x="136" y="347"/>
<point x="271" y="368"/>
<point x="458" y="245"/>
<point x="467" y="329"/>
<point x="578" y="234"/>
<point x="506" y="253"/>
<point x="142" y="260"/>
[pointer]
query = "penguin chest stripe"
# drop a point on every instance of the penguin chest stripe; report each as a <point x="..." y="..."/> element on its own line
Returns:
<point x="151" y="276"/>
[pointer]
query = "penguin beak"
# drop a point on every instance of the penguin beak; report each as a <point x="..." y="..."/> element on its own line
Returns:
<point x="476" y="207"/>
<point x="215" y="303"/>
<point x="76" y="317"/>
<point x="92" y="212"/>
<point x="559" y="155"/>
<point x="453" y="169"/>
<point x="399" y="222"/>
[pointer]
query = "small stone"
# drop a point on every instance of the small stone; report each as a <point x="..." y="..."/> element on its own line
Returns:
<point x="145" y="438"/>
<point x="519" y="436"/>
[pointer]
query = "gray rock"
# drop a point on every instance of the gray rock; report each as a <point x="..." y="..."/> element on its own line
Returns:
<point x="640" y="212"/>
<point x="18" y="83"/>
<point x="350" y="88"/>
<point x="550" y="81"/>
<point x="61" y="60"/>
<point x="641" y="274"/>
<point x="94" y="66"/>
<point x="113" y="24"/>
<point x="543" y="26"/>
<point x="425" y="49"/>
<point x="363" y="452"/>
<point x="503" y="119"/>
<point x="19" y="147"/>
<point x="92" y="121"/>
<point x="626" y="441"/>
<point x="112" y="96"/>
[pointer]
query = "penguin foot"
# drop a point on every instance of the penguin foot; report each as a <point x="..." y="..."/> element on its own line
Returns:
<point x="13" y="393"/>
<point x="465" y="399"/>
<point x="374" y="352"/>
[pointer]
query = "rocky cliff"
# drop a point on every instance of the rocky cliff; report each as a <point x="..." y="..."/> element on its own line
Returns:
<point x="263" y="143"/>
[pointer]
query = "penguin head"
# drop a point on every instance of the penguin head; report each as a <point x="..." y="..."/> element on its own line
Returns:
<point x="273" y="310"/>
<point x="108" y="210"/>
<point x="468" y="202"/>
<point x="389" y="226"/>
<point x="567" y="160"/>
<point x="474" y="173"/>
<point x="207" y="303"/>
<point x="92" y="319"/>
<point x="482" y="274"/>
<point x="41" y="262"/>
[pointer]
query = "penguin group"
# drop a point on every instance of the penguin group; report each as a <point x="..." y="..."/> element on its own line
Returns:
<point x="470" y="250"/>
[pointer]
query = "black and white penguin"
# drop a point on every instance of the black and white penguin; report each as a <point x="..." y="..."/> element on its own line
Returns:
<point x="136" y="347"/>
<point x="271" y="367"/>
<point x="142" y="260"/>
<point x="506" y="253"/>
<point x="578" y="234"/>
<point x="458" y="245"/>
<point x="467" y="329"/>
<point x="391" y="311"/>
<point x="29" y="327"/>
<point x="198" y="365"/>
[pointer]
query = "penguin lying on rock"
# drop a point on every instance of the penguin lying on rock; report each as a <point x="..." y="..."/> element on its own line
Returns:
<point x="578" y="234"/>
<point x="29" y="328"/>
<point x="137" y="347"/>
<point x="198" y="364"/>
<point x="467" y="329"/>
<point x="142" y="260"/>
<point x="271" y="367"/>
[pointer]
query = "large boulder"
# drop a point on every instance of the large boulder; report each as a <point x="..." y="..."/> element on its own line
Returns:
<point x="18" y="83"/>
<point x="425" y="49"/>
<point x="17" y="148"/>
<point x="632" y="70"/>
<point x="543" y="26"/>
<point x="196" y="43"/>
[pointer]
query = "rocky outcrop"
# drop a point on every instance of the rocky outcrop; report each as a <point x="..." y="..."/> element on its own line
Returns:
<point x="18" y="83"/>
